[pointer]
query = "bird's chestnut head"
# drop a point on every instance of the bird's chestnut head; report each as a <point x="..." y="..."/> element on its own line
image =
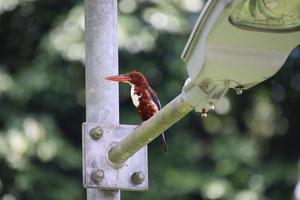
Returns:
<point x="134" y="77"/>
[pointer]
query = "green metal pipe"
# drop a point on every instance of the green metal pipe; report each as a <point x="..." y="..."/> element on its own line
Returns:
<point x="149" y="130"/>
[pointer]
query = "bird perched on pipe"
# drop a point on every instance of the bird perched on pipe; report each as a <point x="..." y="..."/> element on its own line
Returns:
<point x="143" y="97"/>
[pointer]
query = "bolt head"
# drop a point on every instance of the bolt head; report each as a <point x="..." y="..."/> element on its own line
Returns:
<point x="227" y="83"/>
<point x="96" y="133"/>
<point x="138" y="177"/>
<point x="211" y="106"/>
<point x="97" y="175"/>
<point x="204" y="114"/>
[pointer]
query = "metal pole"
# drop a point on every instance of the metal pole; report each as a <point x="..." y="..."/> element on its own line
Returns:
<point x="102" y="101"/>
<point x="149" y="130"/>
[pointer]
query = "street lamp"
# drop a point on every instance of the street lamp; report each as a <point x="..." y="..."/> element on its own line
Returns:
<point x="238" y="44"/>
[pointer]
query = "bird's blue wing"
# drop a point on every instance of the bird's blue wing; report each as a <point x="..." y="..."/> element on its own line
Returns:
<point x="156" y="101"/>
<point x="163" y="142"/>
<point x="154" y="97"/>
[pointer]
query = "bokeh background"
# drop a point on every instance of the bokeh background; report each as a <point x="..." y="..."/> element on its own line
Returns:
<point x="247" y="150"/>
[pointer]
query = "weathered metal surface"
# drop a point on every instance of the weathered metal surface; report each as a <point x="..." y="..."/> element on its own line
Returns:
<point x="101" y="52"/>
<point x="96" y="160"/>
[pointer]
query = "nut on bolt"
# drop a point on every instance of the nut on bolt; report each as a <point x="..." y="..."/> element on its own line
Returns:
<point x="211" y="106"/>
<point x="138" y="177"/>
<point x="239" y="90"/>
<point x="97" y="175"/>
<point x="96" y="133"/>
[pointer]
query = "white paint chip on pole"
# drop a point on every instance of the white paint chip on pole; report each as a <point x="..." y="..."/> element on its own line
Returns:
<point x="102" y="101"/>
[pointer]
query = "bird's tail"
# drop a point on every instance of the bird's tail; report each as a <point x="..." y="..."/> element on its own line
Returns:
<point x="163" y="143"/>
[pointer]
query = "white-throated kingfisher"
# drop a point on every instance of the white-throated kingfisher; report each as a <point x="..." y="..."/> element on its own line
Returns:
<point x="143" y="97"/>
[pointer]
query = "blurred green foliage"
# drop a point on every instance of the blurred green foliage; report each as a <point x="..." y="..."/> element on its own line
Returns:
<point x="247" y="150"/>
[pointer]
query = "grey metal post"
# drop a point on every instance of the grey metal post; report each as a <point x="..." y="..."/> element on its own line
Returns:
<point x="102" y="101"/>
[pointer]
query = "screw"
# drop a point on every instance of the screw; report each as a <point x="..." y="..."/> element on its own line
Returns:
<point x="97" y="175"/>
<point x="137" y="177"/>
<point x="205" y="86"/>
<point x="203" y="114"/>
<point x="239" y="90"/>
<point x="96" y="133"/>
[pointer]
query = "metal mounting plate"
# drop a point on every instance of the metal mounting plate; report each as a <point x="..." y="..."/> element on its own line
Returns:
<point x="95" y="157"/>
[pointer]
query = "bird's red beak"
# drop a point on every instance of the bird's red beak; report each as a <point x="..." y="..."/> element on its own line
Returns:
<point x="119" y="78"/>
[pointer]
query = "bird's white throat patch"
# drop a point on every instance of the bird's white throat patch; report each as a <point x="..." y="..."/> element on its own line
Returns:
<point x="134" y="97"/>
